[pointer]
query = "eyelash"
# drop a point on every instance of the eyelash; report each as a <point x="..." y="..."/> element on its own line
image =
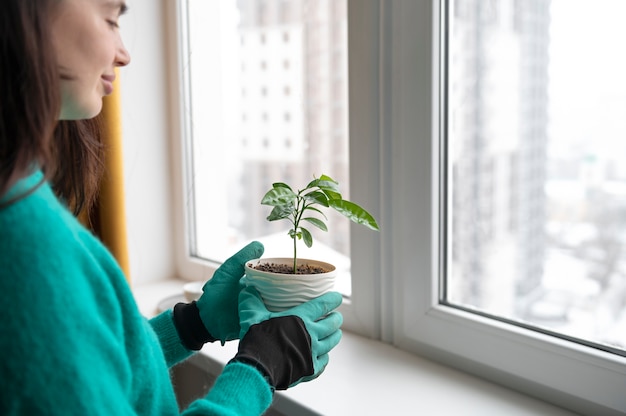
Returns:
<point x="113" y="23"/>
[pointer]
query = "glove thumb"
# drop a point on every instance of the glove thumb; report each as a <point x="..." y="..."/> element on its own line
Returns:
<point x="252" y="310"/>
<point x="233" y="267"/>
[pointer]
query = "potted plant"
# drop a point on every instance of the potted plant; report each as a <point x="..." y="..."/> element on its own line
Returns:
<point x="286" y="282"/>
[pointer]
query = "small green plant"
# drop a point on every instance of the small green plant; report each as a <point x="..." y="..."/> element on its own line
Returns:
<point x="320" y="192"/>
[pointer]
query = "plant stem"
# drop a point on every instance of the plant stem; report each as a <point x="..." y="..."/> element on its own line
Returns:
<point x="295" y="263"/>
<point x="296" y="224"/>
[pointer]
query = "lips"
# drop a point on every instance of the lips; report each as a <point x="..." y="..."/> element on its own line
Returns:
<point x="107" y="82"/>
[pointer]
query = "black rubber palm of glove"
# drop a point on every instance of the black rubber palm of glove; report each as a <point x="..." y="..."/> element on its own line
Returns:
<point x="281" y="337"/>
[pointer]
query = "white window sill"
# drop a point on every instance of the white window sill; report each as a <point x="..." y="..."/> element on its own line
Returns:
<point x="368" y="377"/>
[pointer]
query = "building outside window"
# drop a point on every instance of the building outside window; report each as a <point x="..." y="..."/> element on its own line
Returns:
<point x="536" y="220"/>
<point x="289" y="60"/>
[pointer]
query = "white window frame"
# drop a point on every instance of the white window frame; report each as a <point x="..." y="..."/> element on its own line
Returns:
<point x="581" y="378"/>
<point x="394" y="76"/>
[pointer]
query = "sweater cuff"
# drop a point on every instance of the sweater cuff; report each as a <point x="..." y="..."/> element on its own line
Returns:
<point x="240" y="389"/>
<point x="173" y="348"/>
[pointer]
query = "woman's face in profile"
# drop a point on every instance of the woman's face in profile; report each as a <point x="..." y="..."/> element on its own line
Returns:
<point x="87" y="42"/>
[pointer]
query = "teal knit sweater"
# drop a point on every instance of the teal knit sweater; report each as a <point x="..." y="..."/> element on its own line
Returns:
<point x="72" y="341"/>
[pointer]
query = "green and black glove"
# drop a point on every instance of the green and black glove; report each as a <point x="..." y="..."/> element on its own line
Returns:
<point x="291" y="346"/>
<point x="215" y="315"/>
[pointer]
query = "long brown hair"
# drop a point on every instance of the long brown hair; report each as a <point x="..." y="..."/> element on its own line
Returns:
<point x="68" y="152"/>
<point x="78" y="154"/>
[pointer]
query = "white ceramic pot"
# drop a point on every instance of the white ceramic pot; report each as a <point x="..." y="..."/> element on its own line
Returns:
<point x="284" y="291"/>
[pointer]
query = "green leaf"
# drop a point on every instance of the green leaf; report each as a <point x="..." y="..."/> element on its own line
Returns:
<point x="327" y="178"/>
<point x="331" y="194"/>
<point x="312" y="184"/>
<point x="280" y="212"/>
<point x="328" y="186"/>
<point x="279" y="196"/>
<point x="317" y="222"/>
<point x="307" y="237"/>
<point x="354" y="212"/>
<point x="317" y="197"/>
<point x="316" y="210"/>
<point x="281" y="185"/>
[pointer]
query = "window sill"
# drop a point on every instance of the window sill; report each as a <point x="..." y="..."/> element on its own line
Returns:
<point x="370" y="377"/>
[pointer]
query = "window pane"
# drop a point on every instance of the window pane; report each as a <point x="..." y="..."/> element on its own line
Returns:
<point x="536" y="147"/>
<point x="268" y="103"/>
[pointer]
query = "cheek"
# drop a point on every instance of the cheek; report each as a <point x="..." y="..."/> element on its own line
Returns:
<point x="80" y="99"/>
<point x="91" y="49"/>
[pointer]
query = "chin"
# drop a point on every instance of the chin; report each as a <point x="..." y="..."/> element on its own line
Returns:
<point x="94" y="113"/>
<point x="92" y="110"/>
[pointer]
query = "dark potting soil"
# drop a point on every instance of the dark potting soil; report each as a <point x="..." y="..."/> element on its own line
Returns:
<point x="288" y="268"/>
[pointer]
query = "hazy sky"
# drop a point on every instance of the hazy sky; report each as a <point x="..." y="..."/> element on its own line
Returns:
<point x="588" y="77"/>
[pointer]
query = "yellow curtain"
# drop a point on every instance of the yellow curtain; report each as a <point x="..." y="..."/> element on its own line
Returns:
<point x="109" y="214"/>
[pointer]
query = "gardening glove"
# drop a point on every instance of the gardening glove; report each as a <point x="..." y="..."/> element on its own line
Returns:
<point x="291" y="346"/>
<point x="215" y="316"/>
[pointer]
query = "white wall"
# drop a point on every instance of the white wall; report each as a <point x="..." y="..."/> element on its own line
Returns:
<point x="146" y="147"/>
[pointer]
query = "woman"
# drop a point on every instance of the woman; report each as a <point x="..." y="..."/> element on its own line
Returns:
<point x="72" y="340"/>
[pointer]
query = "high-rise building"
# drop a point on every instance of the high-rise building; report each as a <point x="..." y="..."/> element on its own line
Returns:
<point x="294" y="124"/>
<point x="497" y="140"/>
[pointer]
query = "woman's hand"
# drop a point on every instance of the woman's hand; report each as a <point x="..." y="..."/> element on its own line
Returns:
<point x="218" y="305"/>
<point x="291" y="346"/>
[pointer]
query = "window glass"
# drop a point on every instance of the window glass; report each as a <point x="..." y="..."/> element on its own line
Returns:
<point x="267" y="86"/>
<point x="536" y="173"/>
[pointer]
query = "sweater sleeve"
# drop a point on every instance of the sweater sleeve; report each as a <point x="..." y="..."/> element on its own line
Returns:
<point x="240" y="390"/>
<point x="173" y="349"/>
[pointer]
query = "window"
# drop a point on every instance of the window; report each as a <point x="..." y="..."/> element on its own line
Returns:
<point x="538" y="241"/>
<point x="403" y="168"/>
<point x="435" y="175"/>
<point x="281" y="56"/>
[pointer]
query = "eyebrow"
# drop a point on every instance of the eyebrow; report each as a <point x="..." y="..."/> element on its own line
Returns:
<point x="120" y="5"/>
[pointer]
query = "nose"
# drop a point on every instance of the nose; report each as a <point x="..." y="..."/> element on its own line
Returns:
<point x="122" y="57"/>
